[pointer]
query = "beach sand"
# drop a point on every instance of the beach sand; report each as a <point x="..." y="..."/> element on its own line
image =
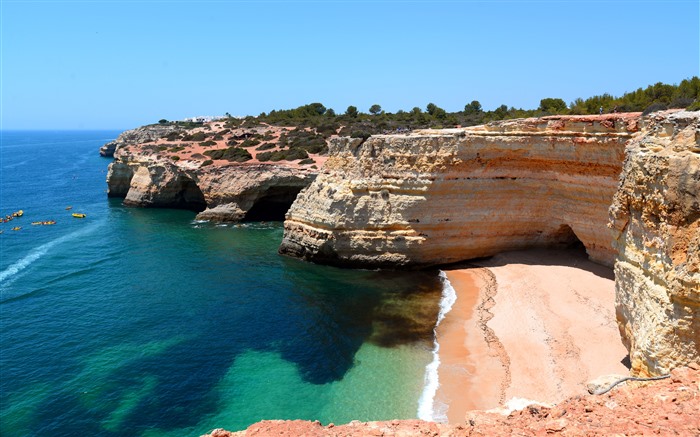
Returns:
<point x="534" y="324"/>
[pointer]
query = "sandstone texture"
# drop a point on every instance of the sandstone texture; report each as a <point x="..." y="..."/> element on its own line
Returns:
<point x="667" y="407"/>
<point x="655" y="218"/>
<point x="166" y="168"/>
<point x="441" y="196"/>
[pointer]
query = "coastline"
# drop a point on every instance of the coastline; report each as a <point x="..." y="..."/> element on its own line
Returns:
<point x="535" y="324"/>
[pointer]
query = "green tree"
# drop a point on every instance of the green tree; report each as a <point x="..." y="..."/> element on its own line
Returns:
<point x="375" y="109"/>
<point x="351" y="111"/>
<point x="473" y="108"/>
<point x="552" y="106"/>
<point x="162" y="121"/>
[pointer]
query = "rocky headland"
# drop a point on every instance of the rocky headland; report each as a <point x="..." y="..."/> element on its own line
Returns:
<point x="213" y="169"/>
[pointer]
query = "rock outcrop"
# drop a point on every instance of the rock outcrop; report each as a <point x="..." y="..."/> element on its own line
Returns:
<point x="223" y="193"/>
<point x="441" y="196"/>
<point x="655" y="219"/>
<point x="171" y="166"/>
<point x="139" y="135"/>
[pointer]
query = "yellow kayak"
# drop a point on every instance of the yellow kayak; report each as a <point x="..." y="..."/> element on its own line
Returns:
<point x="78" y="215"/>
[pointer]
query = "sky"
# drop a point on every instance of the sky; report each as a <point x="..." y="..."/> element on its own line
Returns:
<point x="102" y="64"/>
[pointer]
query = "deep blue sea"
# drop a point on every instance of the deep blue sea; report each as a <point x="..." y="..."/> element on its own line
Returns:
<point x="144" y="322"/>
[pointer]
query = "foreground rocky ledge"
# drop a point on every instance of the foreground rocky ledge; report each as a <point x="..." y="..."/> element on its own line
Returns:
<point x="666" y="407"/>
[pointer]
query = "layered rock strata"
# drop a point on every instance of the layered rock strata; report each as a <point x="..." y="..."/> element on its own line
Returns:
<point x="655" y="220"/>
<point x="441" y="196"/>
<point x="224" y="193"/>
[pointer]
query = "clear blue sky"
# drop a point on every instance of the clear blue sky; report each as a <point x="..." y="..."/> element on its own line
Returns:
<point x="121" y="64"/>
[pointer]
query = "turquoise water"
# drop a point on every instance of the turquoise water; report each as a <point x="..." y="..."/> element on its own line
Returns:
<point x="145" y="322"/>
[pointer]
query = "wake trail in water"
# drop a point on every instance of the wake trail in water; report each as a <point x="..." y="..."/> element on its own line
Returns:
<point x="11" y="273"/>
<point x="426" y="403"/>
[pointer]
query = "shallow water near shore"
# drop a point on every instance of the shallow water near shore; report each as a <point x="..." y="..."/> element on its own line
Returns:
<point x="146" y="322"/>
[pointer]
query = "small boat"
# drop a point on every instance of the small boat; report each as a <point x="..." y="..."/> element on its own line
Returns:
<point x="45" y="222"/>
<point x="68" y="208"/>
<point x="19" y="213"/>
<point x="17" y="228"/>
<point x="78" y="215"/>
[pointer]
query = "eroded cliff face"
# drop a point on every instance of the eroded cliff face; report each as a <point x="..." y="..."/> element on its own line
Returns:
<point x="655" y="219"/>
<point x="224" y="193"/>
<point x="436" y="197"/>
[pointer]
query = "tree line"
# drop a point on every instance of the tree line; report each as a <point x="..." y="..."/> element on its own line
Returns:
<point x="354" y="122"/>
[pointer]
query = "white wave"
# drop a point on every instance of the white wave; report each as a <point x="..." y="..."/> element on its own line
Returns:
<point x="8" y="275"/>
<point x="427" y="410"/>
<point x="17" y="164"/>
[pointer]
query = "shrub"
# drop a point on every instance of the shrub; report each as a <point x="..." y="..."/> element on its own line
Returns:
<point x="279" y="155"/>
<point x="198" y="136"/>
<point x="695" y="106"/>
<point x="235" y="154"/>
<point x="208" y="143"/>
<point x="681" y="102"/>
<point x="175" y="158"/>
<point x="266" y="146"/>
<point x="360" y="134"/>
<point x="207" y="162"/>
<point x="307" y="161"/>
<point x="172" y="136"/>
<point x="653" y="108"/>
<point x="250" y="142"/>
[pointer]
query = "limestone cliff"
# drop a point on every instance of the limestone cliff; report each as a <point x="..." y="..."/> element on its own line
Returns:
<point x="436" y="197"/>
<point x="655" y="219"/>
<point x="139" y="135"/>
<point x="171" y="166"/>
<point x="225" y="193"/>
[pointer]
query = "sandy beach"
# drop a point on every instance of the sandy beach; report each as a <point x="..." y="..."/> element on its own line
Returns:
<point x="536" y="324"/>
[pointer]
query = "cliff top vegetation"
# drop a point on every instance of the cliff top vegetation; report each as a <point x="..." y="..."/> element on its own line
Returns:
<point x="354" y="122"/>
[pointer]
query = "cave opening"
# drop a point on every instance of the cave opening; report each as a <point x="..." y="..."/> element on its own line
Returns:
<point x="566" y="238"/>
<point x="273" y="205"/>
<point x="190" y="196"/>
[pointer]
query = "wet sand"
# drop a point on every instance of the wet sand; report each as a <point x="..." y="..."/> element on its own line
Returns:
<point x="534" y="324"/>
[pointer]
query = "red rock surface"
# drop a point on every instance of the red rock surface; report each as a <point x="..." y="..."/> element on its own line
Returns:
<point x="666" y="407"/>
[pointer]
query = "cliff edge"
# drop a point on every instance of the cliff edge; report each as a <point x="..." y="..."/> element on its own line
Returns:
<point x="655" y="218"/>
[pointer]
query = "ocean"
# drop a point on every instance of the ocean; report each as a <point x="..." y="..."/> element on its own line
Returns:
<point x="145" y="322"/>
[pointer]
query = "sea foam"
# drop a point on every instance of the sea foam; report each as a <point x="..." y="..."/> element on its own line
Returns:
<point x="427" y="410"/>
<point x="10" y="274"/>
